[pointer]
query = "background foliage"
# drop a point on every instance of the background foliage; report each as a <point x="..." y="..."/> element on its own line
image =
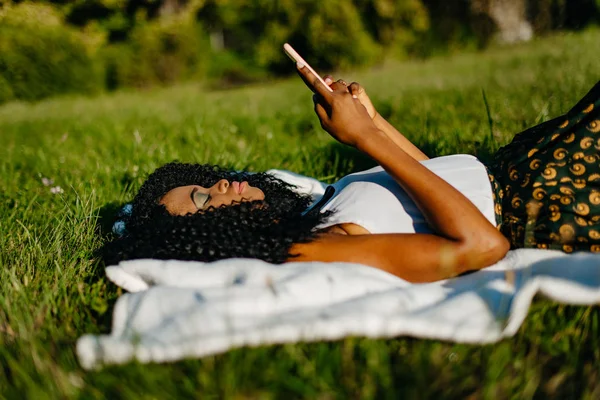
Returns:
<point x="66" y="164"/>
<point x="63" y="46"/>
<point x="41" y="56"/>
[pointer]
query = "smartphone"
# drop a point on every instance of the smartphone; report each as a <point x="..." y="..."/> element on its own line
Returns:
<point x="293" y="54"/>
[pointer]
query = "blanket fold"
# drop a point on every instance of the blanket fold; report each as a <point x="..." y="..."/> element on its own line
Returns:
<point x="178" y="309"/>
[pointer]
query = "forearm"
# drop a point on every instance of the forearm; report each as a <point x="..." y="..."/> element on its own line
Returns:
<point x="448" y="212"/>
<point x="398" y="138"/>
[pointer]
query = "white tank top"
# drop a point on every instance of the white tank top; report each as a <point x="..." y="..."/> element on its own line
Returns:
<point x="373" y="200"/>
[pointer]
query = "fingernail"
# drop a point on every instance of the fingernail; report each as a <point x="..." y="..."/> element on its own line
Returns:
<point x="299" y="65"/>
<point x="328" y="81"/>
<point x="354" y="96"/>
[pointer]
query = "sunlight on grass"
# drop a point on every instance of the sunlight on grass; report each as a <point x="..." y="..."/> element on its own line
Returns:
<point x="98" y="151"/>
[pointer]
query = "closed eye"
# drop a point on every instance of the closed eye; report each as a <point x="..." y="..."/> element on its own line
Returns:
<point x="200" y="199"/>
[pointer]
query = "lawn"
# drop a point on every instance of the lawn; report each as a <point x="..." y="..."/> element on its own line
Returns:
<point x="67" y="163"/>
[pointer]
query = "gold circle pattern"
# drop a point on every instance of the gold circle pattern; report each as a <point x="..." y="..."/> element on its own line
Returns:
<point x="577" y="169"/>
<point x="550" y="177"/>
<point x="559" y="154"/>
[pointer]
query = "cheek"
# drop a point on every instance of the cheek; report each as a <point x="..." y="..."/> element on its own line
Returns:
<point x="259" y="195"/>
<point x="177" y="209"/>
<point x="219" y="201"/>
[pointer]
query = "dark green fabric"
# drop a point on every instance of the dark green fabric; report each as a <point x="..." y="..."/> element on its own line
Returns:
<point x="547" y="182"/>
<point x="497" y="194"/>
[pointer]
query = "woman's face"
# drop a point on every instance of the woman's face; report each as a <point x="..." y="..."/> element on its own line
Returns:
<point x="193" y="198"/>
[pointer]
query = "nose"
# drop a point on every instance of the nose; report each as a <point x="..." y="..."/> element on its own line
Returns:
<point x="222" y="186"/>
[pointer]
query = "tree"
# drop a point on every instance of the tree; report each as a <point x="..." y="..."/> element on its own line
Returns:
<point x="509" y="19"/>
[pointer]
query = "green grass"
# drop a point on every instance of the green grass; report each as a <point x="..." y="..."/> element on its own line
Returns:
<point x="98" y="150"/>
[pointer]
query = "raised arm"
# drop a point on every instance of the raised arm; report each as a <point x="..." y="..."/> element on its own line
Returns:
<point x="464" y="239"/>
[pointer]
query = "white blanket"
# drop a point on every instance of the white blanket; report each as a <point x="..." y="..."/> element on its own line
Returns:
<point x="181" y="309"/>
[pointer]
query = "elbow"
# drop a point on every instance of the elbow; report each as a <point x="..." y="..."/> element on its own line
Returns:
<point x="484" y="251"/>
<point x="497" y="250"/>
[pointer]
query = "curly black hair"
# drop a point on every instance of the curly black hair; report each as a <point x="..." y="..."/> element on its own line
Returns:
<point x="259" y="229"/>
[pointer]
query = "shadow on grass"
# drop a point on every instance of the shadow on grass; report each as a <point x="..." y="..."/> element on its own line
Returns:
<point x="107" y="215"/>
<point x="102" y="293"/>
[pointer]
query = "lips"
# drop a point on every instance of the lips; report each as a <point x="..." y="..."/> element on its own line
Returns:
<point x="239" y="187"/>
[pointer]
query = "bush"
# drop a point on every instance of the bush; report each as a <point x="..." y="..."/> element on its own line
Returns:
<point x="395" y="24"/>
<point x="336" y="34"/>
<point x="40" y="57"/>
<point x="159" y="52"/>
<point x="6" y="93"/>
<point x="332" y="33"/>
<point x="229" y="69"/>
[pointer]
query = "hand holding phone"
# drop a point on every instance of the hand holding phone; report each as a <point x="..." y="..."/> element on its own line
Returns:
<point x="293" y="54"/>
<point x="341" y="114"/>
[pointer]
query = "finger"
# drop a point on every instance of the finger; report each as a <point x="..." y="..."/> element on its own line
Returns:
<point x="321" y="113"/>
<point x="355" y="89"/>
<point x="338" y="86"/>
<point x="313" y="82"/>
<point x="315" y="99"/>
<point x="304" y="79"/>
<point x="328" y="79"/>
<point x="343" y="82"/>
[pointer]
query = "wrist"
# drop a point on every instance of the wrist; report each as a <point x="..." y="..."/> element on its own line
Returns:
<point x="379" y="121"/>
<point x="371" y="141"/>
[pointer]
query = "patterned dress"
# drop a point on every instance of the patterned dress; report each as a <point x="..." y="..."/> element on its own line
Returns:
<point x="547" y="182"/>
